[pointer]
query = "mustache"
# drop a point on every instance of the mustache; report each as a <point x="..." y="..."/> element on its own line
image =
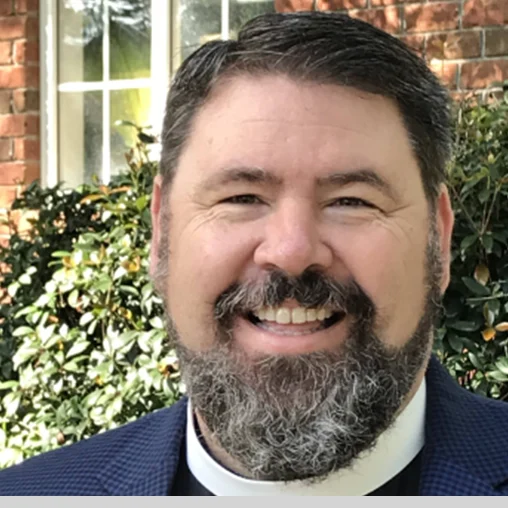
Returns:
<point x="311" y="289"/>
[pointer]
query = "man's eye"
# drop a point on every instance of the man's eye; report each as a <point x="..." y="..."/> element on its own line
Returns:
<point x="243" y="199"/>
<point x="352" y="203"/>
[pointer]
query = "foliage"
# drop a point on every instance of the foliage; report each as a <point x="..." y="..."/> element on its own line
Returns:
<point x="82" y="343"/>
<point x="473" y="339"/>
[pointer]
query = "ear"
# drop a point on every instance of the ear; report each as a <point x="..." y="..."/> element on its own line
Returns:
<point x="156" y="226"/>
<point x="445" y="221"/>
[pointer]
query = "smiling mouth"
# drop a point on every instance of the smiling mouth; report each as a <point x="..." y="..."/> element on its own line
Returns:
<point x="294" y="322"/>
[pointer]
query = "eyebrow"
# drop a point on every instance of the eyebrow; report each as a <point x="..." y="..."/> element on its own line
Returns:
<point x="365" y="176"/>
<point x="241" y="174"/>
<point x="261" y="176"/>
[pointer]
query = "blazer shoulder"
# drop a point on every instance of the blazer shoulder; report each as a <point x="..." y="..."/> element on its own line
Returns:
<point x="76" y="469"/>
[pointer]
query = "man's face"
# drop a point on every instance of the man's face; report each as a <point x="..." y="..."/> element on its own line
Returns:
<point x="283" y="190"/>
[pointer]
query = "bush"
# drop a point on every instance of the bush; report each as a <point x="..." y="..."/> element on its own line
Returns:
<point x="82" y="344"/>
<point x="472" y="341"/>
<point x="82" y="340"/>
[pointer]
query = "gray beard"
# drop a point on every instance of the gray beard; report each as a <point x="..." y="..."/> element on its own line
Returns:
<point x="302" y="417"/>
<point x="287" y="418"/>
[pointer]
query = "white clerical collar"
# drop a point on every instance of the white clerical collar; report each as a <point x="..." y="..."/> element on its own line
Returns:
<point x="395" y="449"/>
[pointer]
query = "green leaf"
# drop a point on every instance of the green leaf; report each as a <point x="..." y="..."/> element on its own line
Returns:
<point x="25" y="279"/>
<point x="468" y="241"/>
<point x="456" y="343"/>
<point x="488" y="243"/>
<point x="498" y="376"/>
<point x="157" y="323"/>
<point x="11" y="403"/>
<point x="502" y="365"/>
<point x="73" y="298"/>
<point x="22" y="331"/>
<point x="8" y="385"/>
<point x="474" y="286"/>
<point x="103" y="283"/>
<point x="465" y="326"/>
<point x="86" y="318"/>
<point x="77" y="348"/>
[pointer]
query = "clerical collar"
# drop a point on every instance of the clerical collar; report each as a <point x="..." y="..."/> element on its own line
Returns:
<point x="394" y="450"/>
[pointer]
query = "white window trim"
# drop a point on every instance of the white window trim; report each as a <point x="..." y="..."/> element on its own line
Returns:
<point x="160" y="71"/>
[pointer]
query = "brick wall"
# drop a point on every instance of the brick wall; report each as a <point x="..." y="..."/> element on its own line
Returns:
<point x="19" y="98"/>
<point x="465" y="42"/>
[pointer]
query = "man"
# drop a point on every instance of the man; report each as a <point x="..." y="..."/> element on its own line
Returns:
<point x="301" y="243"/>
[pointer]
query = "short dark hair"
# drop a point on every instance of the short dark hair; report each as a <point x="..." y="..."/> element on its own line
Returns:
<point x="326" y="48"/>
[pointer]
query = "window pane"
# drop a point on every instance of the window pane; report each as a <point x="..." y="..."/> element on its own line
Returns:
<point x="241" y="11"/>
<point x="80" y="31"/>
<point x="80" y="136"/>
<point x="198" y="21"/>
<point x="129" y="35"/>
<point x="132" y="106"/>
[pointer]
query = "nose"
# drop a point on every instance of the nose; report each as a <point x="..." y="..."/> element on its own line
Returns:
<point x="292" y="242"/>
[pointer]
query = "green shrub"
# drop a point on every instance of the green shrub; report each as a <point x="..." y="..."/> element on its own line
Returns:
<point x="472" y="342"/>
<point x="82" y="341"/>
<point x="82" y="345"/>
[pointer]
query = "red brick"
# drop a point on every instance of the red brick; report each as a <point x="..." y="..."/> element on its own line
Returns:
<point x="5" y="7"/>
<point x="32" y="125"/>
<point x="18" y="125"/>
<point x="32" y="172"/>
<point x="31" y="6"/>
<point x="12" y="27"/>
<point x="26" y="51"/>
<point x="382" y="3"/>
<point x="485" y="12"/>
<point x="7" y="195"/>
<point x="446" y="72"/>
<point x="336" y="5"/>
<point x="496" y="42"/>
<point x="293" y="5"/>
<point x="11" y="173"/>
<point x="26" y="100"/>
<point x="5" y="149"/>
<point x="414" y="42"/>
<point x="27" y="149"/>
<point x="32" y="76"/>
<point x="5" y="102"/>
<point x="12" y="76"/>
<point x="5" y="52"/>
<point x="454" y="45"/>
<point x="387" y="19"/>
<point x="32" y="28"/>
<point x="483" y="74"/>
<point x="431" y="17"/>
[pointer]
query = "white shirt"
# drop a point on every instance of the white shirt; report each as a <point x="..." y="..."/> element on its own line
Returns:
<point x="395" y="449"/>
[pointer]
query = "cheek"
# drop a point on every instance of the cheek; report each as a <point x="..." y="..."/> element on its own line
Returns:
<point x="204" y="262"/>
<point x="390" y="267"/>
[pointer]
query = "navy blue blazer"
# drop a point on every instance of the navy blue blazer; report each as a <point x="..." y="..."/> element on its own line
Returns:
<point x="466" y="451"/>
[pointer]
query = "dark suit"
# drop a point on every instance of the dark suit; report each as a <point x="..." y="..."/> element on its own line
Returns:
<point x="466" y="451"/>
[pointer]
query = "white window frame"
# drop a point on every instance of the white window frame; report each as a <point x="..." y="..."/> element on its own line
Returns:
<point x="158" y="82"/>
<point x="164" y="37"/>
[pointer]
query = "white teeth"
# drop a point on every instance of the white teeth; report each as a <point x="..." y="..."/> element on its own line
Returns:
<point x="269" y="314"/>
<point x="299" y="315"/>
<point x="311" y="314"/>
<point x="283" y="316"/>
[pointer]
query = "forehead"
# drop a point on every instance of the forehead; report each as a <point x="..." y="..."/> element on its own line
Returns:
<point x="296" y="129"/>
